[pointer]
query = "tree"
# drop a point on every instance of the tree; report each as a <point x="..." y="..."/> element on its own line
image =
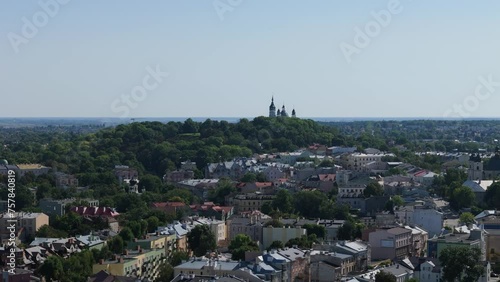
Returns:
<point x="467" y="218"/>
<point x="305" y="241"/>
<point x="249" y="177"/>
<point x="384" y="276"/>
<point x="47" y="231"/>
<point x="373" y="189"/>
<point x="177" y="257"/>
<point x="116" y="244"/>
<point x="165" y="272"/>
<point x="350" y="230"/>
<point x="240" y="244"/>
<point x="150" y="183"/>
<point x="126" y="234"/>
<point x="201" y="240"/>
<point x="224" y="188"/>
<point x="283" y="201"/>
<point x="52" y="268"/>
<point x="153" y="223"/>
<point x="308" y="203"/>
<point x="266" y="208"/>
<point x="492" y="196"/>
<point x="318" y="230"/>
<point x="462" y="197"/>
<point x="276" y="245"/>
<point x="397" y="201"/>
<point x="461" y="263"/>
<point x="274" y="223"/>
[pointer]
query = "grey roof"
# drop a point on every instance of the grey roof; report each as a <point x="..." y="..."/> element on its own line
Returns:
<point x="199" y="263"/>
<point x="292" y="253"/>
<point x="398" y="230"/>
<point x="478" y="186"/>
<point x="40" y="240"/>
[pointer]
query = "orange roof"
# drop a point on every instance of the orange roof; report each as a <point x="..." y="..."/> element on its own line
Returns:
<point x="263" y="184"/>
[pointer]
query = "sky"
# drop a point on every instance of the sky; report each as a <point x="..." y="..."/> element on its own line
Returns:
<point x="227" y="58"/>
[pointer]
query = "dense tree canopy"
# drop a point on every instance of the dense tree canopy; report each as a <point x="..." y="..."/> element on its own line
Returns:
<point x="201" y="240"/>
<point x="384" y="276"/>
<point x="461" y="263"/>
<point x="241" y="244"/>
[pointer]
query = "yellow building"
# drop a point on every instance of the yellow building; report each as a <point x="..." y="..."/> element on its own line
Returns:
<point x="140" y="263"/>
<point x="27" y="221"/>
<point x="167" y="242"/>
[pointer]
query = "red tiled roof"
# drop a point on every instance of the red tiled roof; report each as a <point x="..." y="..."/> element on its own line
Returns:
<point x="167" y="204"/>
<point x="420" y="173"/>
<point x="263" y="184"/>
<point x="95" y="211"/>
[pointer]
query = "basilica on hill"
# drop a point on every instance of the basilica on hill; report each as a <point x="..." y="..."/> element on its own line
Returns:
<point x="279" y="113"/>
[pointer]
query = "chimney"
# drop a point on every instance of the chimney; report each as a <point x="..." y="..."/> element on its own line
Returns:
<point x="138" y="247"/>
<point x="121" y="260"/>
<point x="101" y="261"/>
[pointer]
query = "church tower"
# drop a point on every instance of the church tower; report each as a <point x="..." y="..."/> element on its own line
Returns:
<point x="272" y="108"/>
<point x="475" y="171"/>
<point x="283" y="111"/>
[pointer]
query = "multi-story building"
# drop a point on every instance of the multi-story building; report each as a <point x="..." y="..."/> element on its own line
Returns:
<point x="140" y="263"/>
<point x="426" y="269"/>
<point x="249" y="201"/>
<point x="218" y="227"/>
<point x="123" y="172"/>
<point x="157" y="241"/>
<point x="273" y="173"/>
<point x="199" y="187"/>
<point x="36" y="169"/>
<point x="426" y="218"/>
<point x="179" y="230"/>
<point x="250" y="224"/>
<point x="178" y="175"/>
<point x="234" y="169"/>
<point x="171" y="208"/>
<point x="64" y="180"/>
<point x="419" y="239"/>
<point x="282" y="234"/>
<point x="357" y="161"/>
<point x="401" y="273"/>
<point x="475" y="239"/>
<point x="360" y="251"/>
<point x="58" y="207"/>
<point x="199" y="268"/>
<point x="393" y="243"/>
<point x="490" y="222"/>
<point x="27" y="223"/>
<point x="346" y="263"/>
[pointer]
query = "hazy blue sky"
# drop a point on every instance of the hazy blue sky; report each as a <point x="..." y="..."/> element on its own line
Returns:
<point x="423" y="62"/>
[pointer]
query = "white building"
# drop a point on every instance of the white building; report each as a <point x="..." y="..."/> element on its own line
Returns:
<point x="428" y="219"/>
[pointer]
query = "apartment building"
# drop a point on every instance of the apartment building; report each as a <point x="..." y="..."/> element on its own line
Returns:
<point x="393" y="243"/>
<point x="27" y="224"/>
<point x="282" y="234"/>
<point x="249" y="201"/>
<point x="141" y="263"/>
<point x="58" y="207"/>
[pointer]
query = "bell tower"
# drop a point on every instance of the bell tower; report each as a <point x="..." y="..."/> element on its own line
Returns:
<point x="272" y="108"/>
